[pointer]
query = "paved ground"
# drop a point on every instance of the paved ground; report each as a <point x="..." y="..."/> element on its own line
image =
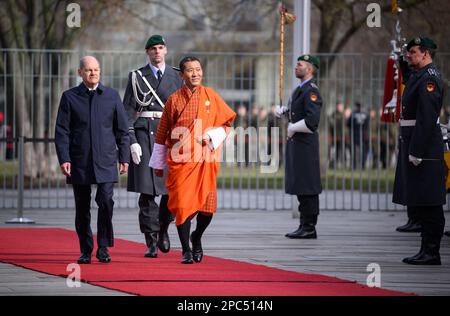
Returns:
<point x="348" y="242"/>
<point x="245" y="199"/>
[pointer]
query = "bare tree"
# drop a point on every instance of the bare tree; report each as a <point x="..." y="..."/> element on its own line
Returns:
<point x="27" y="25"/>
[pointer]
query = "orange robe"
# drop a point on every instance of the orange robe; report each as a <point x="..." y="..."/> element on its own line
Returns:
<point x="193" y="168"/>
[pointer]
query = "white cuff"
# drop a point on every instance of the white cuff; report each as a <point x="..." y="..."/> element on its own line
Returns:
<point x="217" y="136"/>
<point x="300" y="127"/>
<point x="158" y="160"/>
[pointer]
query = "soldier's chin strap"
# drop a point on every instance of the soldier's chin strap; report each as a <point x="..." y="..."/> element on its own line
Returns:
<point x="136" y="86"/>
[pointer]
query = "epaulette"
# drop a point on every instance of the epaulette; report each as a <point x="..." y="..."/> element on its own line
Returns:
<point x="314" y="85"/>
<point x="433" y="72"/>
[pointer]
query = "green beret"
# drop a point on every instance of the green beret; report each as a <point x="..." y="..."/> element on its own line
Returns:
<point x="313" y="60"/>
<point x="155" y="40"/>
<point x="421" y="41"/>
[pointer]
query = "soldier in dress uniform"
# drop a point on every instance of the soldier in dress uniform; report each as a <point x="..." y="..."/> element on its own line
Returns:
<point x="419" y="178"/>
<point x="146" y="94"/>
<point x="413" y="223"/>
<point x="302" y="173"/>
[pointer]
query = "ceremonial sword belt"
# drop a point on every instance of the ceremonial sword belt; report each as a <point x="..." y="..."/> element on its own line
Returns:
<point x="151" y="114"/>
<point x="406" y="123"/>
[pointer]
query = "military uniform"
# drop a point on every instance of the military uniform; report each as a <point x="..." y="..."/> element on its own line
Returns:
<point x="143" y="123"/>
<point x="422" y="187"/>
<point x="302" y="167"/>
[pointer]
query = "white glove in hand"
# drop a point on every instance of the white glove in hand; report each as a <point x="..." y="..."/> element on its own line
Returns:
<point x="415" y="161"/>
<point x="298" y="127"/>
<point x="136" y="153"/>
<point x="290" y="130"/>
<point x="280" y="110"/>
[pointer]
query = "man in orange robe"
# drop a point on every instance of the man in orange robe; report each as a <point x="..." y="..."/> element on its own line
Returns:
<point x="193" y="126"/>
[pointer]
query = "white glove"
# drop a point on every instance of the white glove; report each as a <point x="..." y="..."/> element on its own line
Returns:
<point x="280" y="110"/>
<point x="297" y="127"/>
<point x="136" y="153"/>
<point x="415" y="161"/>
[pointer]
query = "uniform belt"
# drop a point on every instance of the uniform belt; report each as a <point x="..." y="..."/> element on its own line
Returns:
<point x="407" y="122"/>
<point x="151" y="114"/>
<point x="404" y="123"/>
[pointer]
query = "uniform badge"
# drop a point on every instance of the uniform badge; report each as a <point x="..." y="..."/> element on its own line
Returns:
<point x="306" y="57"/>
<point x="417" y="40"/>
<point x="313" y="97"/>
<point x="431" y="86"/>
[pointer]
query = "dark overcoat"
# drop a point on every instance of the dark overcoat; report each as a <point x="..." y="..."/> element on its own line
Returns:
<point x="302" y="168"/>
<point x="92" y="136"/>
<point x="422" y="185"/>
<point x="141" y="178"/>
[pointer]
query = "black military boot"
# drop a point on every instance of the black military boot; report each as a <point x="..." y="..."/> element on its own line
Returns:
<point x="163" y="238"/>
<point x="307" y="229"/>
<point x="417" y="255"/>
<point x="429" y="255"/>
<point x="151" y="241"/>
<point x="297" y="231"/>
<point x="412" y="226"/>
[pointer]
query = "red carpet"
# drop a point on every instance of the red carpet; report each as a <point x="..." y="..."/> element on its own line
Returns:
<point x="50" y="250"/>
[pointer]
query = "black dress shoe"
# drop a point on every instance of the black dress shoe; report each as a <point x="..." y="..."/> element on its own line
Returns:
<point x="304" y="233"/>
<point x="84" y="259"/>
<point x="423" y="258"/>
<point x="187" y="257"/>
<point x="163" y="241"/>
<point x="103" y="255"/>
<point x="410" y="227"/>
<point x="447" y="233"/>
<point x="197" y="251"/>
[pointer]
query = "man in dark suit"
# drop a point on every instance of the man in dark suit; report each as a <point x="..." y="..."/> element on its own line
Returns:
<point x="420" y="174"/>
<point x="302" y="174"/>
<point x="146" y="94"/>
<point x="91" y="133"/>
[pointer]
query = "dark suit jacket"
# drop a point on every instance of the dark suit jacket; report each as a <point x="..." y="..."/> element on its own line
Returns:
<point x="92" y="135"/>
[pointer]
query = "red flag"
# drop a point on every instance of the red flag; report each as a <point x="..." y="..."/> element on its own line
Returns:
<point x="392" y="93"/>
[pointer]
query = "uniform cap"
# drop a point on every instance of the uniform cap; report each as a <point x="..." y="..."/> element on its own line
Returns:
<point x="313" y="60"/>
<point x="421" y="41"/>
<point x="155" y="40"/>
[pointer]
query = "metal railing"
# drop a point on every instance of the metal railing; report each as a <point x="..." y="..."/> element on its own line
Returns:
<point x="32" y="81"/>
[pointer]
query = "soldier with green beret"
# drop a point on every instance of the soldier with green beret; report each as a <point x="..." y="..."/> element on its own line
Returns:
<point x="302" y="174"/>
<point x="420" y="173"/>
<point x="147" y="91"/>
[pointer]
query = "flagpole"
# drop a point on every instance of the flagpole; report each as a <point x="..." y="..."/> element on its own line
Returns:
<point x="281" y="51"/>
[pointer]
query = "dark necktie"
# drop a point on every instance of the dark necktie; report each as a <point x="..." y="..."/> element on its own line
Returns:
<point x="159" y="73"/>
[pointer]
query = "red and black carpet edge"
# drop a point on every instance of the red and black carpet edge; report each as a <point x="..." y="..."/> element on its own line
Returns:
<point x="50" y="250"/>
